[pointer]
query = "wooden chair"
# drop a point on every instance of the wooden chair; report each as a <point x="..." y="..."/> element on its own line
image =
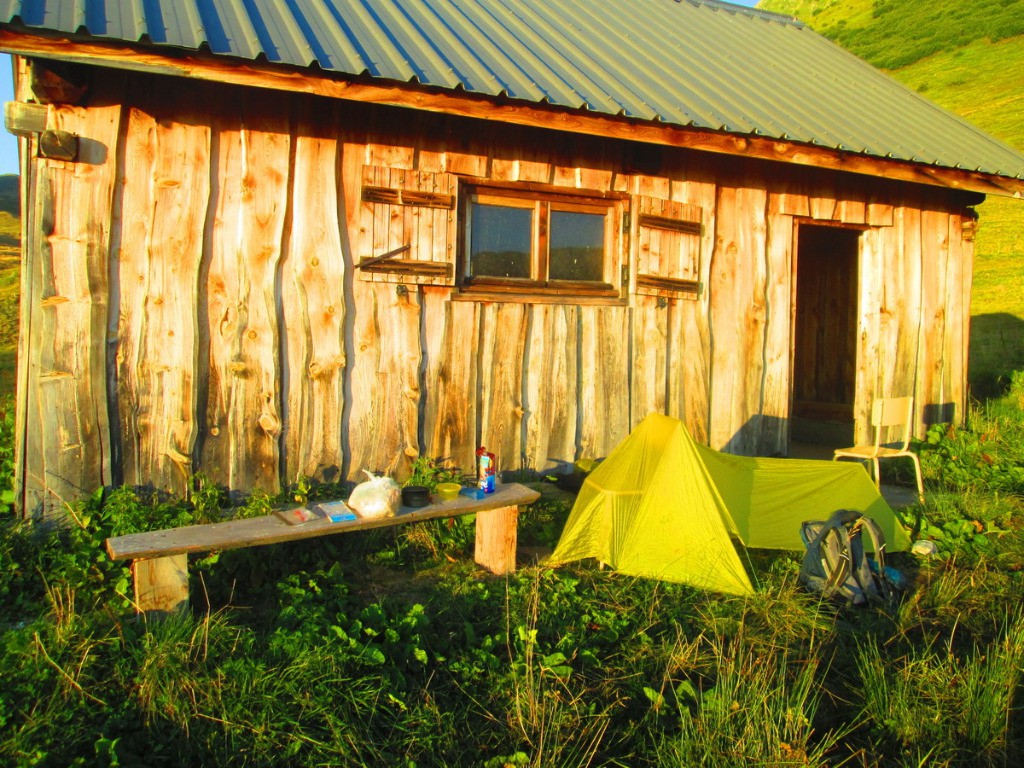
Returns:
<point x="887" y="414"/>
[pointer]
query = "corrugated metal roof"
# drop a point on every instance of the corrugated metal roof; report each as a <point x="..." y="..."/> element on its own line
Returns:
<point x="699" y="63"/>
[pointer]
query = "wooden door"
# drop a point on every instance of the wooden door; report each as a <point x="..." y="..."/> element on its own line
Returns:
<point x="825" y="334"/>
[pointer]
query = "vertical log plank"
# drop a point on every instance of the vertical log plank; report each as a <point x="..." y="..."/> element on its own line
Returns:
<point x="167" y="184"/>
<point x="451" y="329"/>
<point x="738" y="319"/>
<point x="313" y="305"/>
<point x="29" y="480"/>
<point x="690" y="387"/>
<point x="385" y="383"/>
<point x="954" y="364"/>
<point x="67" y="268"/>
<point x="604" y="379"/>
<point x="550" y="399"/>
<point x="902" y="298"/>
<point x="935" y="254"/>
<point x="689" y="394"/>
<point x="774" y="437"/>
<point x="964" y="318"/>
<point x="244" y="411"/>
<point x="648" y="371"/>
<point x="871" y="276"/>
<point x="502" y="340"/>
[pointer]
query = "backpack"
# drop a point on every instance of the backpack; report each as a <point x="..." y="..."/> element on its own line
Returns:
<point x="837" y="564"/>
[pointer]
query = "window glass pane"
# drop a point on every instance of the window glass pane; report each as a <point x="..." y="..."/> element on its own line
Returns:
<point x="576" y="249"/>
<point x="500" y="240"/>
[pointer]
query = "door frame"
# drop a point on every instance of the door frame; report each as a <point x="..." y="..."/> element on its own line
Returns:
<point x="858" y="274"/>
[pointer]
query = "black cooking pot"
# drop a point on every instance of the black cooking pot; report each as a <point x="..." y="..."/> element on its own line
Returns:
<point x="415" y="496"/>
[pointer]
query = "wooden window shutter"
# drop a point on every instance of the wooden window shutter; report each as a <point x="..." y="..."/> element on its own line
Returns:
<point x="668" y="241"/>
<point x="407" y="227"/>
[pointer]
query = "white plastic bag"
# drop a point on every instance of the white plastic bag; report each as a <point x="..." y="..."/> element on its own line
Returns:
<point x="376" y="497"/>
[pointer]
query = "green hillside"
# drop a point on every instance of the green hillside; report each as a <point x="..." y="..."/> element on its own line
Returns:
<point x="966" y="56"/>
<point x="10" y="262"/>
<point x="10" y="189"/>
<point x="895" y="33"/>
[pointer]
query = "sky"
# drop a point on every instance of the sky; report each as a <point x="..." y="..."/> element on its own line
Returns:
<point x="9" y="144"/>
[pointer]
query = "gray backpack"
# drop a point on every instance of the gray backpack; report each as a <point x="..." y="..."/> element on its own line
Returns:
<point x="837" y="564"/>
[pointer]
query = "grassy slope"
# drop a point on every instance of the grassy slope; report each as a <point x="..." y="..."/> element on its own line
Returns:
<point x="10" y="261"/>
<point x="981" y="80"/>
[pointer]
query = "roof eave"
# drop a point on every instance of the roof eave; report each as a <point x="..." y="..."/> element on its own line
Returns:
<point x="205" y="66"/>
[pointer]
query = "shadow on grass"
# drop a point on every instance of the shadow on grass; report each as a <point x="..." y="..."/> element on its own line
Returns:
<point x="996" y="349"/>
<point x="8" y="370"/>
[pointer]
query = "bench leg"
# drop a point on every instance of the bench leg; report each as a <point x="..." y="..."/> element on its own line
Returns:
<point x="496" y="537"/>
<point x="161" y="584"/>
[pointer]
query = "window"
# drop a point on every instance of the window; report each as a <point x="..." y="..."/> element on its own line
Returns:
<point x="525" y="240"/>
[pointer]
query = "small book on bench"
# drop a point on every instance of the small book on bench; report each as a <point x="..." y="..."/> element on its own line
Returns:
<point x="335" y="511"/>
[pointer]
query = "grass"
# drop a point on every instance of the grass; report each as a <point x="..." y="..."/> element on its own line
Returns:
<point x="894" y="33"/>
<point x="391" y="648"/>
<point x="10" y="271"/>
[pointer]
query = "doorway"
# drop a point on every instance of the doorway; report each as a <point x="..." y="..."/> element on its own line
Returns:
<point x="825" y="335"/>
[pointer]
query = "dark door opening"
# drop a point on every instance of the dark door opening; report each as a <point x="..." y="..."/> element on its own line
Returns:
<point x="825" y="335"/>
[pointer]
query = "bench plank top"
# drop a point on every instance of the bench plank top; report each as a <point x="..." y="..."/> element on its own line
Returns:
<point x="270" y="529"/>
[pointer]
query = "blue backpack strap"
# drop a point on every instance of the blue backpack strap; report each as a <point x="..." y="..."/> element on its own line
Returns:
<point x="860" y="566"/>
<point x="885" y="588"/>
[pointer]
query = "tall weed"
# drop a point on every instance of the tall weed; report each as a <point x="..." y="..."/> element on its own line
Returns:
<point x="756" y="707"/>
<point x="932" y="700"/>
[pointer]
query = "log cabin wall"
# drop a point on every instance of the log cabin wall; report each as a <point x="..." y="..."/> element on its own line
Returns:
<point x="193" y="300"/>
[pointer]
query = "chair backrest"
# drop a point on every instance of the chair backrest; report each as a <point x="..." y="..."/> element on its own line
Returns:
<point x="893" y="412"/>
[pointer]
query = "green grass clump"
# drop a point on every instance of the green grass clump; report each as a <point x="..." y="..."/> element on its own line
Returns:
<point x="935" y="705"/>
<point x="10" y="290"/>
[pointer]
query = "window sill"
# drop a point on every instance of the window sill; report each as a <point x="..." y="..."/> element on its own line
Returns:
<point x="526" y="297"/>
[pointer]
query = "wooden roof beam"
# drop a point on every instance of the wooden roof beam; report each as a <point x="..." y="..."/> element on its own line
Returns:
<point x="205" y="66"/>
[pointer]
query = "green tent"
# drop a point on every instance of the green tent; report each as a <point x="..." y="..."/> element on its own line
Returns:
<point x="664" y="507"/>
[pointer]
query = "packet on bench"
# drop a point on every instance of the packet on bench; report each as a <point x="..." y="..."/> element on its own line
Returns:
<point x="296" y="515"/>
<point x="336" y="511"/>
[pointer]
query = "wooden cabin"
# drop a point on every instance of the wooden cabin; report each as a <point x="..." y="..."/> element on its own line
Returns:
<point x="282" y="240"/>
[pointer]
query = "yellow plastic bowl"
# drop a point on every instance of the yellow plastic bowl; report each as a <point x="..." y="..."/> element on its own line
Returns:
<point x="448" y="491"/>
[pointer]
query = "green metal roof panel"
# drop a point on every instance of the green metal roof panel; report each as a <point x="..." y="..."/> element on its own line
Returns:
<point x="699" y="63"/>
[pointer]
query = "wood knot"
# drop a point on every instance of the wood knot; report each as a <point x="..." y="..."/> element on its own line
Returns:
<point x="270" y="424"/>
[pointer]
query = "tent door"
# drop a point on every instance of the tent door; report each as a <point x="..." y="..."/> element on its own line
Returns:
<point x="825" y="335"/>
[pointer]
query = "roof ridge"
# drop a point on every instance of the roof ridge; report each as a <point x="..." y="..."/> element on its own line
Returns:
<point x="746" y="10"/>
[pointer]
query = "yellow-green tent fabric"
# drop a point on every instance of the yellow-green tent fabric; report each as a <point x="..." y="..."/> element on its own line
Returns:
<point x="664" y="507"/>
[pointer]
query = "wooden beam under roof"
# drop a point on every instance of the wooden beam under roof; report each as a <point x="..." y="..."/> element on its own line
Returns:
<point x="200" y="65"/>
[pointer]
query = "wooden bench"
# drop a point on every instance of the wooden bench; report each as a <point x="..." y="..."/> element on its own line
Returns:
<point x="160" y="558"/>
